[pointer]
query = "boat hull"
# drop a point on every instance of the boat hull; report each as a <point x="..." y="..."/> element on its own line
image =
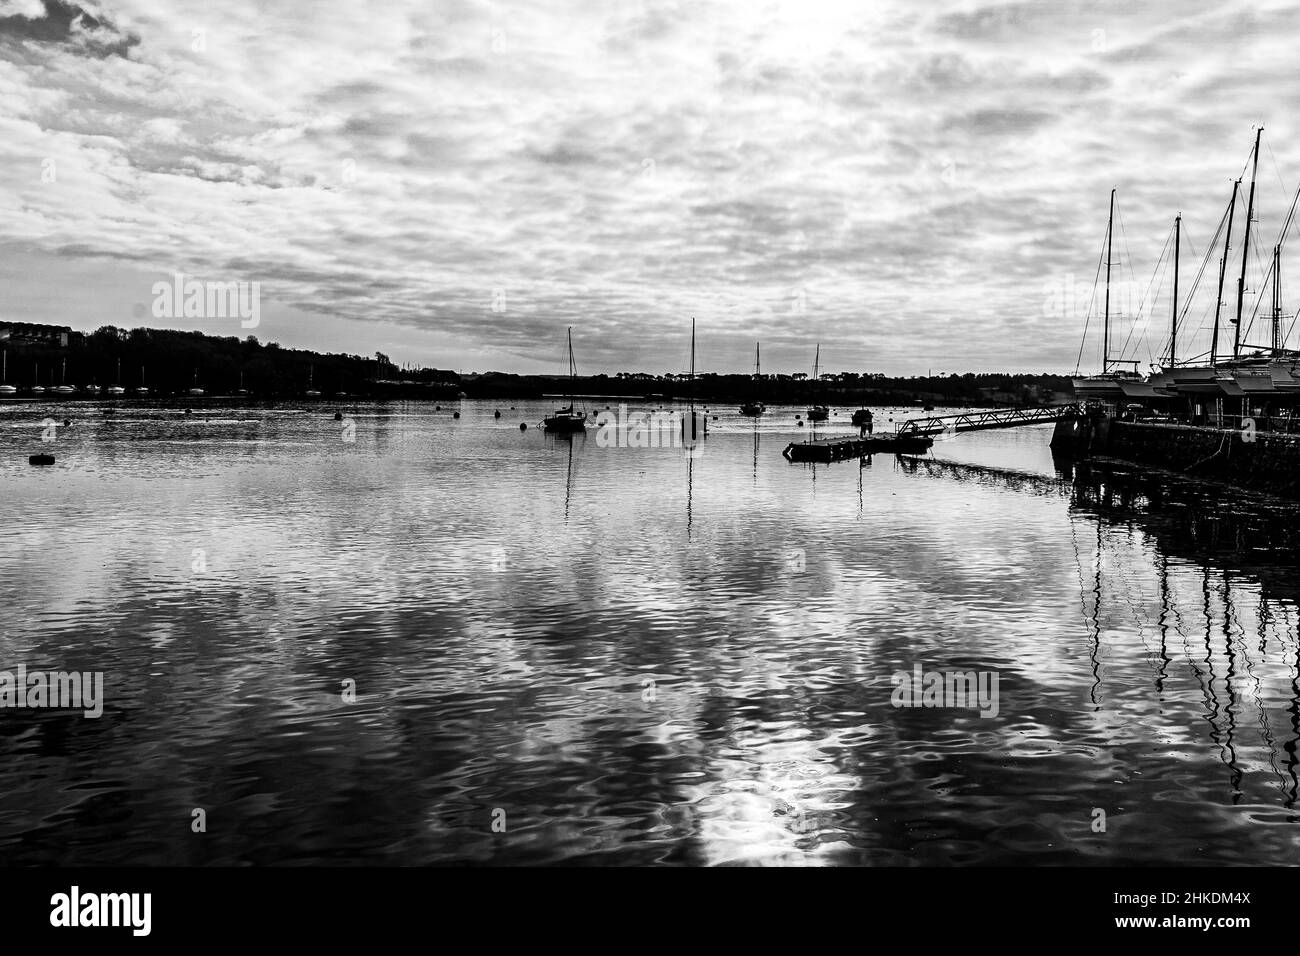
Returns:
<point x="565" y="423"/>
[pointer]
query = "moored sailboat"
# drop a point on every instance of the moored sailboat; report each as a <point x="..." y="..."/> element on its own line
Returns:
<point x="1112" y="384"/>
<point x="116" y="388"/>
<point x="5" y="387"/>
<point x="566" y="420"/>
<point x="754" y="407"/>
<point x="818" y="413"/>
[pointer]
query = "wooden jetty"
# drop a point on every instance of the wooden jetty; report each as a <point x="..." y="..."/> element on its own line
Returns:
<point x="847" y="446"/>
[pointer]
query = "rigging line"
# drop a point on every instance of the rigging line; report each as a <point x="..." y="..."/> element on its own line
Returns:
<point x="1132" y="282"/>
<point x="1157" y="273"/>
<point x="1087" y="318"/>
<point x="1279" y="241"/>
<point x="1200" y="273"/>
<point x="1264" y="286"/>
<point x="1142" y="302"/>
<point x="1276" y="168"/>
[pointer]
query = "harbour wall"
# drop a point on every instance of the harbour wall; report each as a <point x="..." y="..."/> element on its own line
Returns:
<point x="1259" y="460"/>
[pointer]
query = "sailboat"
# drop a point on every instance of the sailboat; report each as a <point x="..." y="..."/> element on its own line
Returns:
<point x="1112" y="385"/>
<point x="116" y="388"/>
<point x="64" y="388"/>
<point x="754" y="407"/>
<point x="5" y="387"/>
<point x="1267" y="371"/>
<point x="311" y="375"/>
<point x="691" y="432"/>
<point x="818" y="413"/>
<point x="37" y="387"/>
<point x="242" y="390"/>
<point x="141" y="390"/>
<point x="196" y="390"/>
<point x="566" y="419"/>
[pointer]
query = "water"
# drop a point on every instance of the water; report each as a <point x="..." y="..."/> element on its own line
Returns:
<point x="563" y="652"/>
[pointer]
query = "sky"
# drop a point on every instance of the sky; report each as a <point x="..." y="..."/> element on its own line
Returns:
<point x="915" y="186"/>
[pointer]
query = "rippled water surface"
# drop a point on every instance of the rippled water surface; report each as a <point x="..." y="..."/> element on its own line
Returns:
<point x="563" y="652"/>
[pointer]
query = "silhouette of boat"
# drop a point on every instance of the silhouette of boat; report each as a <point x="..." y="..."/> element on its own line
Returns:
<point x="566" y="419"/>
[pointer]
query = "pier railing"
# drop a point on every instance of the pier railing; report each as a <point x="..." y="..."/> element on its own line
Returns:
<point x="978" y="421"/>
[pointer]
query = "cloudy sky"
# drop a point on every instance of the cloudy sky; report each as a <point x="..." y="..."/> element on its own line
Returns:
<point x="916" y="186"/>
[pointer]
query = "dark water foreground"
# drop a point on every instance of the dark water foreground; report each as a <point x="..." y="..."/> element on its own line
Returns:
<point x="569" y="653"/>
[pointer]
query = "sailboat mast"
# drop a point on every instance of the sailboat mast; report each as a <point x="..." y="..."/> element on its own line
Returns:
<point x="572" y="371"/>
<point x="692" y="395"/>
<point x="1173" y="319"/>
<point x="1105" y="330"/>
<point x="1277" y="299"/>
<point x="1245" y="245"/>
<point x="1223" y="266"/>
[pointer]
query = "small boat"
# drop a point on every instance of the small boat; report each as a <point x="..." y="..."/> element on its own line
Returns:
<point x="63" y="388"/>
<point x="92" y="389"/>
<point x="818" y="413"/>
<point x="754" y="407"/>
<point x="196" y="391"/>
<point x="566" y="420"/>
<point x="311" y="375"/>
<point x="117" y="388"/>
<point x="6" y="389"/>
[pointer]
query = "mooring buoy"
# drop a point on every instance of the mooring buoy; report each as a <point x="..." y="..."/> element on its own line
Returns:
<point x="338" y="416"/>
<point x="496" y="414"/>
<point x="523" y="426"/>
<point x="455" y="414"/>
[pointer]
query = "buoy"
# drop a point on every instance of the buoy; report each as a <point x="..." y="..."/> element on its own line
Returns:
<point x="523" y="426"/>
<point x="497" y="414"/>
<point x="800" y="424"/>
<point x="455" y="414"/>
<point x="797" y="417"/>
<point x="437" y="408"/>
<point x="40" y="460"/>
<point x="715" y="418"/>
<point x="189" y="412"/>
<point x="338" y="416"/>
<point x="512" y="408"/>
<point x="67" y="422"/>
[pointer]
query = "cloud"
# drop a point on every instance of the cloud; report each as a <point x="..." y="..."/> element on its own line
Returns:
<point x="900" y="184"/>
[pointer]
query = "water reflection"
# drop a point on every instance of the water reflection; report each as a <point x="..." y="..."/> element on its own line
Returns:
<point x="627" y="670"/>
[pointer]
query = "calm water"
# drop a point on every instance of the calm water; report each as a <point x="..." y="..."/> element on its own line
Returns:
<point x="622" y="655"/>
